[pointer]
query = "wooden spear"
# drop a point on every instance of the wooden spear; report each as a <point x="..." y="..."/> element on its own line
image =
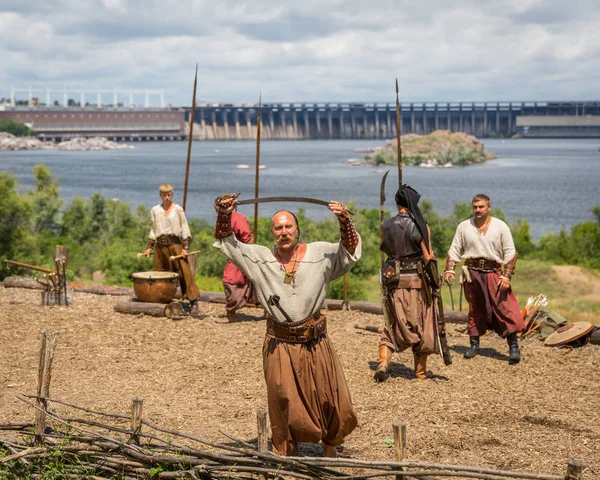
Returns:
<point x="258" y="122"/>
<point x="189" y="152"/>
<point x="398" y="133"/>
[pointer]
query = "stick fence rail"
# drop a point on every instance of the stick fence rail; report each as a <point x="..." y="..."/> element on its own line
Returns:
<point x="95" y="445"/>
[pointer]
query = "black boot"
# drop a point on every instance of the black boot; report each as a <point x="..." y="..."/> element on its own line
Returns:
<point x="474" y="350"/>
<point x="514" y="356"/>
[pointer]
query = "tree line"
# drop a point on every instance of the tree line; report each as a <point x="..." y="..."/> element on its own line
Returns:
<point x="104" y="234"/>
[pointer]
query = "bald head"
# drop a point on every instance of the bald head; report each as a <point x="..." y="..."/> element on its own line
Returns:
<point x="285" y="229"/>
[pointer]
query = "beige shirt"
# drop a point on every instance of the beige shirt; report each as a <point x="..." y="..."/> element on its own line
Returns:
<point x="497" y="243"/>
<point x="322" y="263"/>
<point x="174" y="223"/>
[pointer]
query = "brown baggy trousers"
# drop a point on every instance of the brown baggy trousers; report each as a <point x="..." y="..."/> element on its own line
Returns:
<point x="411" y="320"/>
<point x="308" y="397"/>
<point x="189" y="289"/>
<point x="489" y="308"/>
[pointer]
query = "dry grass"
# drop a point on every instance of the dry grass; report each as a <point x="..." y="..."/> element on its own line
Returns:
<point x="203" y="377"/>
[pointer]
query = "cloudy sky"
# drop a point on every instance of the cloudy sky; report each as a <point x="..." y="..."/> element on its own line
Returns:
<point x="306" y="50"/>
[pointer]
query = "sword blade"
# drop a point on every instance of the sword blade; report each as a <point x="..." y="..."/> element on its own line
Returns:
<point x="253" y="201"/>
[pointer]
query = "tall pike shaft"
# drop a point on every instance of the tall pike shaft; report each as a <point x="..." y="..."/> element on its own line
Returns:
<point x="258" y="124"/>
<point x="189" y="152"/>
<point x="398" y="134"/>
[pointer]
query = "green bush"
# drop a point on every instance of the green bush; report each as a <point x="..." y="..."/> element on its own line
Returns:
<point x="17" y="129"/>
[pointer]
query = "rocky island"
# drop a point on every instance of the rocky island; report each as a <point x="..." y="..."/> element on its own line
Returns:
<point x="8" y="141"/>
<point x="438" y="149"/>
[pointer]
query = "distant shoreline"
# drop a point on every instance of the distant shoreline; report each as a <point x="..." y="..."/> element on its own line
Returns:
<point x="9" y="142"/>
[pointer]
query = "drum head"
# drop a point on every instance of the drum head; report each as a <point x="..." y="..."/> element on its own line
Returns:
<point x="155" y="275"/>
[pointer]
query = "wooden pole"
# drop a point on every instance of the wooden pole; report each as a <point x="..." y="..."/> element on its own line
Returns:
<point x="263" y="434"/>
<point x="189" y="152"/>
<point x="40" y="414"/>
<point x="136" y="419"/>
<point x="574" y="470"/>
<point x="398" y="134"/>
<point x="399" y="444"/>
<point x="43" y="386"/>
<point x="262" y="439"/>
<point x="61" y="257"/>
<point x="257" y="169"/>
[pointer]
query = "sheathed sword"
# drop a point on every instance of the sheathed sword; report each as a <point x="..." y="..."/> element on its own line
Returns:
<point x="434" y="283"/>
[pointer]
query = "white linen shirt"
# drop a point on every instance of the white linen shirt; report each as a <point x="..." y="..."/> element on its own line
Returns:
<point x="496" y="244"/>
<point x="174" y="223"/>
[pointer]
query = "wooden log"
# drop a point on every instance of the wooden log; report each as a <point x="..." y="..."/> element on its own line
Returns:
<point x="101" y="289"/>
<point x="136" y="419"/>
<point x="574" y="470"/>
<point x="455" y="316"/>
<point x="212" y="297"/>
<point x="174" y="309"/>
<point x="30" y="283"/>
<point x="366" y="307"/>
<point x="21" y="282"/>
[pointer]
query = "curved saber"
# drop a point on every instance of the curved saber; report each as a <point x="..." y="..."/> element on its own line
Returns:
<point x="316" y="201"/>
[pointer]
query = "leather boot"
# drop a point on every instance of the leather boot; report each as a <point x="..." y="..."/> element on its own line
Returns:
<point x="474" y="350"/>
<point x="514" y="356"/>
<point x="194" y="308"/>
<point x="329" y="451"/>
<point x="421" y="366"/>
<point x="385" y="356"/>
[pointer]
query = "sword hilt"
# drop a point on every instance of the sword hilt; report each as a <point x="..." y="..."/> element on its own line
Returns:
<point x="273" y="300"/>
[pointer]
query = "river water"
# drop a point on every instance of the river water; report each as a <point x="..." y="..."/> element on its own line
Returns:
<point x="553" y="183"/>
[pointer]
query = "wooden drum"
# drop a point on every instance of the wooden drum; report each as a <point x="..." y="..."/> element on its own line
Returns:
<point x="156" y="287"/>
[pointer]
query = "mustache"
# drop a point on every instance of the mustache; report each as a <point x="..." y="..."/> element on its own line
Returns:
<point x="285" y="238"/>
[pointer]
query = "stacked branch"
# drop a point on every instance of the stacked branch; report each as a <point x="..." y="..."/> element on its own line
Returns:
<point x="92" y="444"/>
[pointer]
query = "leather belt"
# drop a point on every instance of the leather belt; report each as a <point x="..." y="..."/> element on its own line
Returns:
<point x="482" y="264"/>
<point x="409" y="263"/>
<point x="298" y="332"/>
<point x="167" y="240"/>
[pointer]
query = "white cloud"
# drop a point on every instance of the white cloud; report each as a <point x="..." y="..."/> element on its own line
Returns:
<point x="326" y="50"/>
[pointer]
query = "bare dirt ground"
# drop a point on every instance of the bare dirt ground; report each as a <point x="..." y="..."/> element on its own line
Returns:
<point x="575" y="276"/>
<point x="203" y="377"/>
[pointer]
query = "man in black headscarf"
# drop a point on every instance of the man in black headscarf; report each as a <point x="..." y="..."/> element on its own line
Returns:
<point x="406" y="242"/>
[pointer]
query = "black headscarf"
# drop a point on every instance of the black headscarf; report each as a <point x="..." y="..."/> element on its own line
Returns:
<point x="408" y="197"/>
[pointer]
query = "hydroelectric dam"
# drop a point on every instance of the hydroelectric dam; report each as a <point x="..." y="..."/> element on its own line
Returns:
<point x="224" y="121"/>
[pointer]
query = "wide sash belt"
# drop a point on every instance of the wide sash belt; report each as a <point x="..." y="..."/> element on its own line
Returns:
<point x="167" y="240"/>
<point x="482" y="264"/>
<point x="298" y="332"/>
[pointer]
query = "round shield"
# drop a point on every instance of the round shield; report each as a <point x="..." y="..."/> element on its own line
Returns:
<point x="568" y="333"/>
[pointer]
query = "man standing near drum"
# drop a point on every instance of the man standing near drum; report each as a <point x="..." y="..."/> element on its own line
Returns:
<point x="170" y="236"/>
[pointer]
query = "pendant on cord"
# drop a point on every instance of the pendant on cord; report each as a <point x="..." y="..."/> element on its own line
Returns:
<point x="288" y="278"/>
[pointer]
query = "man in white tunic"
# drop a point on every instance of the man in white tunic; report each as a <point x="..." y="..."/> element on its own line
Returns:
<point x="170" y="235"/>
<point x="487" y="246"/>
<point x="307" y="393"/>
